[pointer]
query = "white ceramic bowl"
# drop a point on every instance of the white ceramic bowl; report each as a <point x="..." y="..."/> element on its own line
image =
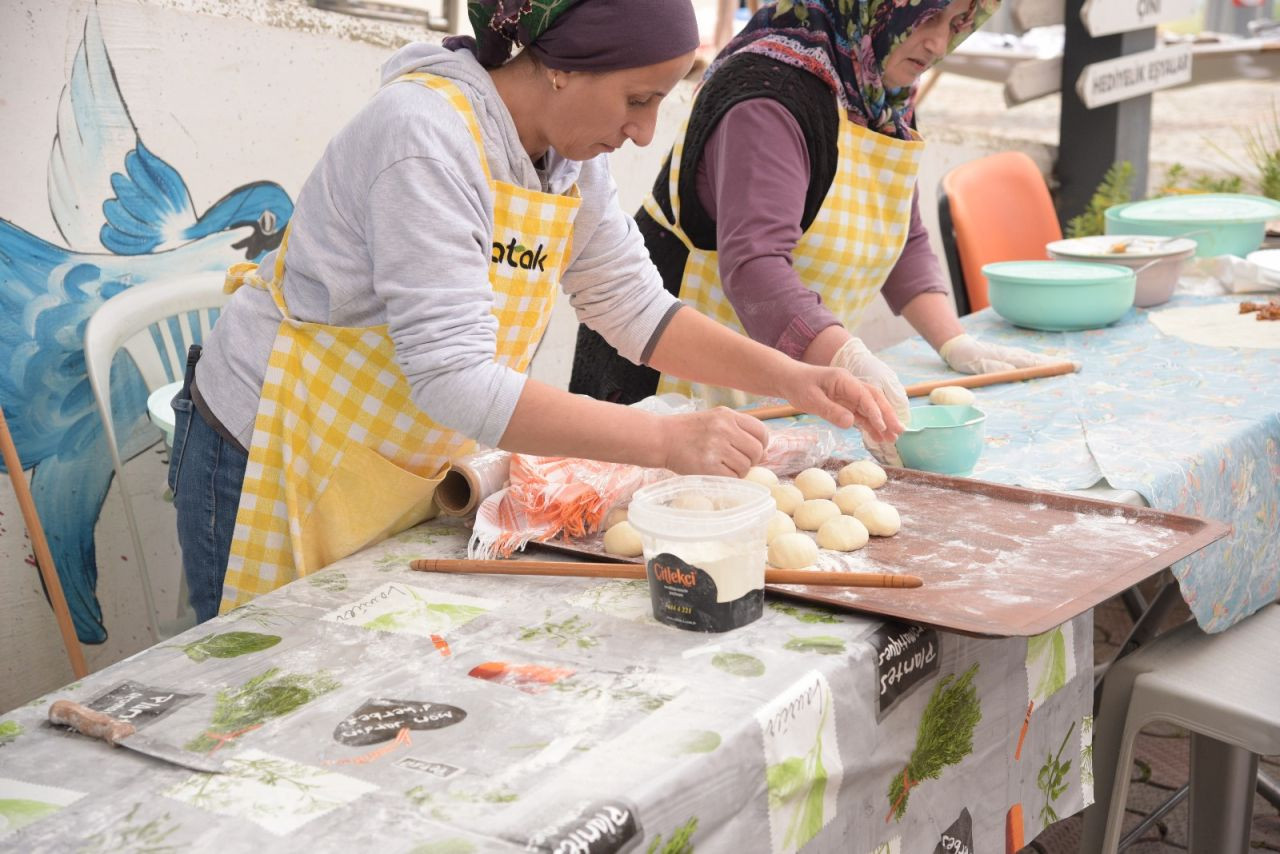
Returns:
<point x="1158" y="261"/>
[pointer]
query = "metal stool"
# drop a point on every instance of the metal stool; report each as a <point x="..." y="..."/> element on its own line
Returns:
<point x="1225" y="689"/>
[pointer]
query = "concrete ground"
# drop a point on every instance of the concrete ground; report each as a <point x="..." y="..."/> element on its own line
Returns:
<point x="1159" y="770"/>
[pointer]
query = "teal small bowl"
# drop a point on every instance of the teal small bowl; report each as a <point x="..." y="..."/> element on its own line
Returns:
<point x="1060" y="296"/>
<point x="943" y="439"/>
<point x="1220" y="223"/>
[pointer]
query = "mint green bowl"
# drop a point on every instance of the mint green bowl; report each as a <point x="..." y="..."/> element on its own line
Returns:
<point x="943" y="439"/>
<point x="1220" y="223"/>
<point x="1059" y="296"/>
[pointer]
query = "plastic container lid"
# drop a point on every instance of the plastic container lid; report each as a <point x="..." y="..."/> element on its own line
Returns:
<point x="1057" y="272"/>
<point x="740" y="505"/>
<point x="1206" y="208"/>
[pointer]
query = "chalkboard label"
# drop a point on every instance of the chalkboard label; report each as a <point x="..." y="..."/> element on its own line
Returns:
<point x="906" y="655"/>
<point x="378" y="720"/>
<point x="685" y="597"/>
<point x="602" y="827"/>
<point x="139" y="705"/>
<point x="958" y="838"/>
<point x="435" y="769"/>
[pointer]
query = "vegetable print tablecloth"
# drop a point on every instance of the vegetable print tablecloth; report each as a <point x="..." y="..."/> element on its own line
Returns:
<point x="1194" y="429"/>
<point x="371" y="708"/>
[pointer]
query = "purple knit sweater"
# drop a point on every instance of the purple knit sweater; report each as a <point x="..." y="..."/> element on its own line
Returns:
<point x="758" y="226"/>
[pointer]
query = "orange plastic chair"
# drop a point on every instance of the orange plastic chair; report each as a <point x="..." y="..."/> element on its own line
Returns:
<point x="998" y="208"/>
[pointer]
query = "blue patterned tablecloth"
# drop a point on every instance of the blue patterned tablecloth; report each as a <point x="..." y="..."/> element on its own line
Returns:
<point x="1193" y="429"/>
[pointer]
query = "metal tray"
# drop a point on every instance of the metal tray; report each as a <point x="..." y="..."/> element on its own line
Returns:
<point x="995" y="560"/>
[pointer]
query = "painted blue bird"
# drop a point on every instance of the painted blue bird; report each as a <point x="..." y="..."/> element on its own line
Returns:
<point x="150" y="231"/>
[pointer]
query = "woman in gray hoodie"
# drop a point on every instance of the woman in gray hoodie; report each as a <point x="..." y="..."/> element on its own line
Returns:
<point x="423" y="260"/>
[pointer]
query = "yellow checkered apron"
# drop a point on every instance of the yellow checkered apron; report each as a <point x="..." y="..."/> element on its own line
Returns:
<point x="845" y="254"/>
<point x="341" y="456"/>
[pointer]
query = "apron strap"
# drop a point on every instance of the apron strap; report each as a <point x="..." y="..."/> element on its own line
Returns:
<point x="459" y="102"/>
<point x="249" y="273"/>
<point x="654" y="209"/>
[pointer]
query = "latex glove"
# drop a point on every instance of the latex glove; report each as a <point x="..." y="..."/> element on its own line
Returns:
<point x="840" y="398"/>
<point x="968" y="355"/>
<point x="855" y="358"/>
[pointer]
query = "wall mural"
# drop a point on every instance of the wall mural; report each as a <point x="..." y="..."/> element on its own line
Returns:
<point x="126" y="218"/>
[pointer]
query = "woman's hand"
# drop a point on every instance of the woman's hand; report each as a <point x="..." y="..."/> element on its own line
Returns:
<point x="715" y="441"/>
<point x="835" y="395"/>
<point x="854" y="357"/>
<point x="968" y="355"/>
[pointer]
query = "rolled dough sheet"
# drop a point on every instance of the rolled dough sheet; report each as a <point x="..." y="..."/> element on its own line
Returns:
<point x="1218" y="325"/>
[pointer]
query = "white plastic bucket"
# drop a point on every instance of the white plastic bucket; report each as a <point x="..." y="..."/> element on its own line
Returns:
<point x="705" y="565"/>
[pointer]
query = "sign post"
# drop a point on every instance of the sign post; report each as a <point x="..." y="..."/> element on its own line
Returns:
<point x="1108" y="17"/>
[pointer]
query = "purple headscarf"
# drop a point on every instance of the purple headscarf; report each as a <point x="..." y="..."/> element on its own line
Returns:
<point x="845" y="42"/>
<point x="581" y="35"/>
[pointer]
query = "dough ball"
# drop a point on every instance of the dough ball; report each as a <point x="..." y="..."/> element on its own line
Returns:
<point x="864" y="472"/>
<point x="616" y="515"/>
<point x="951" y="395"/>
<point x="793" y="551"/>
<point x="816" y="483"/>
<point x="814" y="512"/>
<point x="692" y="501"/>
<point x="842" y="534"/>
<point x="881" y="519"/>
<point x="623" y="540"/>
<point x="761" y="475"/>
<point x="780" y="523"/>
<point x="850" y="498"/>
<point x="787" y="497"/>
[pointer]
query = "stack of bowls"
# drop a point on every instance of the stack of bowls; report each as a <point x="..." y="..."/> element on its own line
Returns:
<point x="1221" y="223"/>
<point x="1157" y="261"/>
<point x="1059" y="296"/>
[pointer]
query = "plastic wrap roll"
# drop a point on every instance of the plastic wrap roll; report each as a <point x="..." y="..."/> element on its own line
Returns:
<point x="471" y="480"/>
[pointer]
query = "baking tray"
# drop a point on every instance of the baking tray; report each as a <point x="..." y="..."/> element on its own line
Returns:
<point x="996" y="560"/>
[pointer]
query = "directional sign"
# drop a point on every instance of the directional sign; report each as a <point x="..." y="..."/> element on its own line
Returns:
<point x="1104" y="17"/>
<point x="1134" y="74"/>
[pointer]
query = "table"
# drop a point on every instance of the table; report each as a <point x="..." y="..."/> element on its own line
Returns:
<point x="160" y="411"/>
<point x="1191" y="429"/>
<point x="452" y="713"/>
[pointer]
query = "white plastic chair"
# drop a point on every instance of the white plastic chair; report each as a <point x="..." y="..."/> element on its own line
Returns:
<point x="1225" y="689"/>
<point x="154" y="323"/>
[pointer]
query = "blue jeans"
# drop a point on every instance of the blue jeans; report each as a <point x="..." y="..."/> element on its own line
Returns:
<point x="205" y="475"/>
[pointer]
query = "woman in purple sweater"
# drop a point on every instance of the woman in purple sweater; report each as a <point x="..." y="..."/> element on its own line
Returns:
<point x="789" y="201"/>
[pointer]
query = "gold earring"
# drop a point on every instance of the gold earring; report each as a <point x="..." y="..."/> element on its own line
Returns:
<point x="555" y="82"/>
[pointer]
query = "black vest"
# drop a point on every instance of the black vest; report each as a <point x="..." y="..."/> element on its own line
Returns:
<point x="598" y="370"/>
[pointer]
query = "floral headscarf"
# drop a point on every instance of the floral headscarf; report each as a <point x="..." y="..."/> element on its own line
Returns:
<point x="500" y="25"/>
<point x="845" y="42"/>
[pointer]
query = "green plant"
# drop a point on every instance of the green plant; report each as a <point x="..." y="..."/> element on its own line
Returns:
<point x="270" y="694"/>
<point x="1116" y="189"/>
<point x="1263" y="147"/>
<point x="681" y="841"/>
<point x="1052" y="779"/>
<point x="1178" y="180"/>
<point x="227" y="645"/>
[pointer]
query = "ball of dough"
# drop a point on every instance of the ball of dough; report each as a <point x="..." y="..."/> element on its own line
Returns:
<point x="816" y="483"/>
<point x="761" y="475"/>
<point x="787" y="497"/>
<point x="864" y="472"/>
<point x="692" y="501"/>
<point x="842" y="534"/>
<point x="951" y="395"/>
<point x="881" y="519"/>
<point x="616" y="515"/>
<point x="623" y="540"/>
<point x="850" y="498"/>
<point x="793" y="551"/>
<point x="814" y="512"/>
<point x="780" y="523"/>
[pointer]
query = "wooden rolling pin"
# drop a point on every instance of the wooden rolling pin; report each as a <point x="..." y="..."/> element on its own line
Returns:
<point x="922" y="389"/>
<point x="637" y="571"/>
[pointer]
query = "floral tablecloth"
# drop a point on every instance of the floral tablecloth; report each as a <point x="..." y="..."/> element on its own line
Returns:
<point x="372" y="708"/>
<point x="1193" y="429"/>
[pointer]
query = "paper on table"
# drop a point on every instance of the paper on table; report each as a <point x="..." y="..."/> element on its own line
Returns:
<point x="1228" y="274"/>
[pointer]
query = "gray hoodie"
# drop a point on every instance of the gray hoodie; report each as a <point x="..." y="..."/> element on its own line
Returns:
<point x="394" y="226"/>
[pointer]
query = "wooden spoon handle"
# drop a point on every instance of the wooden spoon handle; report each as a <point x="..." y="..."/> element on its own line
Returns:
<point x="637" y="571"/>
<point x="922" y="389"/>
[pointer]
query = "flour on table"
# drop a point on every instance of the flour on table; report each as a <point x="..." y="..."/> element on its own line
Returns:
<point x="1218" y="325"/>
